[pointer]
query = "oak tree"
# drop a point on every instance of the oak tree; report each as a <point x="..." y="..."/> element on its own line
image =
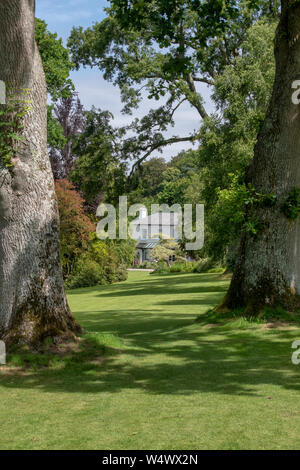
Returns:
<point x="33" y="304"/>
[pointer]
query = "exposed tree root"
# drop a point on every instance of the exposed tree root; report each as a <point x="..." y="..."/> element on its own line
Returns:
<point x="32" y="329"/>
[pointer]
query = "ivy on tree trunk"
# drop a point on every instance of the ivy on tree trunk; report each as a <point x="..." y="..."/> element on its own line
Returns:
<point x="267" y="271"/>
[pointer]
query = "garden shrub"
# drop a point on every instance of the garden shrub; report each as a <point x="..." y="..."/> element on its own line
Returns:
<point x="86" y="260"/>
<point x="100" y="265"/>
<point x="147" y="265"/>
<point x="75" y="225"/>
<point x="125" y="250"/>
<point x="217" y="269"/>
<point x="175" y="267"/>
<point x="160" y="268"/>
<point x="88" y="273"/>
<point x="186" y="267"/>
<point x="204" y="265"/>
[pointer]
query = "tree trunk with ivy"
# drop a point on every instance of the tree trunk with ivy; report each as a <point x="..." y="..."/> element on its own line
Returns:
<point x="267" y="271"/>
<point x="33" y="304"/>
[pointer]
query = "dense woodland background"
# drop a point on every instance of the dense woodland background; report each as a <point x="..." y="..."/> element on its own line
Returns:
<point x="93" y="161"/>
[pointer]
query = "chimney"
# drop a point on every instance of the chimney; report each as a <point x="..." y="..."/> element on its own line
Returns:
<point x="143" y="212"/>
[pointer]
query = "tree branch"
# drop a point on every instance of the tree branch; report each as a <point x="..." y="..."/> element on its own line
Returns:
<point x="203" y="80"/>
<point x="177" y="106"/>
<point x="162" y="143"/>
<point x="197" y="102"/>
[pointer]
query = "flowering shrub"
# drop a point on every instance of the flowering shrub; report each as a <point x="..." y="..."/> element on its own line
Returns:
<point x="86" y="260"/>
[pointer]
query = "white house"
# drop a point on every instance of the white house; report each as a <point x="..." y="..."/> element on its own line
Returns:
<point x="159" y="223"/>
<point x="146" y="229"/>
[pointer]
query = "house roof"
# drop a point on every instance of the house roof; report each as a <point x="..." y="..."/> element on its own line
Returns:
<point x="147" y="243"/>
<point x="158" y="218"/>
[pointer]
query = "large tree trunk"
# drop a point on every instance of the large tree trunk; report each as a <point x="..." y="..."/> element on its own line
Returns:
<point x="33" y="305"/>
<point x="268" y="266"/>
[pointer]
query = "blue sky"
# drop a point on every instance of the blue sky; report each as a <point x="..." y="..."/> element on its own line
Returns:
<point x="61" y="16"/>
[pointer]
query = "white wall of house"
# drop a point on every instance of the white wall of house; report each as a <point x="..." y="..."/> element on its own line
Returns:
<point x="164" y="224"/>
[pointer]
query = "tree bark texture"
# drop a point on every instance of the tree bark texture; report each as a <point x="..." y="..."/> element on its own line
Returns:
<point x="33" y="304"/>
<point x="267" y="271"/>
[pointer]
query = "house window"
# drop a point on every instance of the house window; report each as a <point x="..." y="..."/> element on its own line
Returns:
<point x="144" y="233"/>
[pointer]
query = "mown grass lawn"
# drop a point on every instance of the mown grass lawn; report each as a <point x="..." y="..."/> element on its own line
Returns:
<point x="168" y="383"/>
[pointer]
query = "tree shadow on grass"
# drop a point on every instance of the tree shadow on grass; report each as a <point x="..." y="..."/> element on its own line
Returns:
<point x="167" y="353"/>
<point x="183" y="284"/>
<point x="136" y="322"/>
<point x="180" y="361"/>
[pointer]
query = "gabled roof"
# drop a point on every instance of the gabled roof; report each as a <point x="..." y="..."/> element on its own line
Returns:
<point x="147" y="243"/>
